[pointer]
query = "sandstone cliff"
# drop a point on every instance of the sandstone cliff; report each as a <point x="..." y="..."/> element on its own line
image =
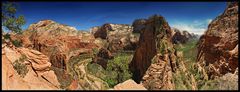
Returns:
<point x="155" y="51"/>
<point x="26" y="69"/>
<point x="218" y="47"/>
<point x="59" y="42"/>
<point x="117" y="36"/>
<point x="182" y="36"/>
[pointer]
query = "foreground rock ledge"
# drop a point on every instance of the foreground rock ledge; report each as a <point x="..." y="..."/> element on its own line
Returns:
<point x="129" y="85"/>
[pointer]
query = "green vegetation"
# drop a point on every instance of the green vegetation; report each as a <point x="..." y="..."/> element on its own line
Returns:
<point x="95" y="51"/>
<point x="180" y="81"/>
<point x="96" y="70"/>
<point x="183" y="79"/>
<point x="136" y="34"/>
<point x="189" y="50"/>
<point x="63" y="77"/>
<point x="6" y="36"/>
<point x="74" y="62"/>
<point x="162" y="46"/>
<point x="17" y="43"/>
<point x="117" y="69"/>
<point x="9" y="19"/>
<point x="12" y="22"/>
<point x="20" y="67"/>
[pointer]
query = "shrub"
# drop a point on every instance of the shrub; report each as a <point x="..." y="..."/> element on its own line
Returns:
<point x="17" y="43"/>
<point x="6" y="36"/>
<point x="118" y="68"/>
<point x="20" y="67"/>
<point x="96" y="70"/>
<point x="116" y="72"/>
<point x="95" y="51"/>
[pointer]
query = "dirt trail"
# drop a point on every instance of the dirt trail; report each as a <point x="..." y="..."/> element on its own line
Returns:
<point x="87" y="81"/>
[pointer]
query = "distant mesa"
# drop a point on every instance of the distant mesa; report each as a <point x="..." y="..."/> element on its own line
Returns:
<point x="183" y="36"/>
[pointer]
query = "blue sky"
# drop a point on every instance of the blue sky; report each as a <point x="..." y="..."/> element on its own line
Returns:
<point x="191" y="16"/>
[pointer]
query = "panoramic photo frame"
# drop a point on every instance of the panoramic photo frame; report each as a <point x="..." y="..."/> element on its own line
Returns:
<point x="119" y="45"/>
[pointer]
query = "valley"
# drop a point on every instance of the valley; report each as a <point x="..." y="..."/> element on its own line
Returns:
<point x="147" y="55"/>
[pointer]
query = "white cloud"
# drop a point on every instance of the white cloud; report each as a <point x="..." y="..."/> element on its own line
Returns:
<point x="196" y="27"/>
<point x="209" y="21"/>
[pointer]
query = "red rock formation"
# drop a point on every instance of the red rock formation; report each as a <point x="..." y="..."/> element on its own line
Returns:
<point x="218" y="47"/>
<point x="138" y="25"/>
<point x="182" y="36"/>
<point x="56" y="41"/>
<point x="118" y="36"/>
<point x="129" y="85"/>
<point x="36" y="75"/>
<point x="154" y="39"/>
<point x="102" y="57"/>
<point x="102" y="32"/>
<point x="59" y="43"/>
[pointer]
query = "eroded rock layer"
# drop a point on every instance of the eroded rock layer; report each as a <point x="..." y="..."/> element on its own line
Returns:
<point x="218" y="47"/>
<point x="26" y="69"/>
<point x="155" y="52"/>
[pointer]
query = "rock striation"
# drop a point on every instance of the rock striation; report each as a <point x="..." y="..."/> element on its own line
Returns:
<point x="59" y="42"/>
<point x="26" y="69"/>
<point x="182" y="36"/>
<point x="117" y="36"/>
<point x="218" y="47"/>
<point x="154" y="59"/>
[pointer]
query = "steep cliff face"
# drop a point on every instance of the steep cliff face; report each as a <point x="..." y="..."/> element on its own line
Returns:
<point x="102" y="57"/>
<point x="26" y="69"/>
<point x="138" y="25"/>
<point x="155" y="48"/>
<point x="182" y="36"/>
<point x="57" y="41"/>
<point x="218" y="47"/>
<point x="118" y="36"/>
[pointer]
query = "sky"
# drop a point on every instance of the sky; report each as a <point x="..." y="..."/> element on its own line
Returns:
<point x="191" y="16"/>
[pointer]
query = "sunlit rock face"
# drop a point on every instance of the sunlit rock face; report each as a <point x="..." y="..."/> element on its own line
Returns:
<point x="25" y="69"/>
<point x="118" y="36"/>
<point x="218" y="47"/>
<point x="155" y="56"/>
<point x="182" y="36"/>
<point x="59" y="42"/>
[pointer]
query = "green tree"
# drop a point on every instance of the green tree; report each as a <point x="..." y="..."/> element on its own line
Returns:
<point x="9" y="18"/>
<point x="117" y="70"/>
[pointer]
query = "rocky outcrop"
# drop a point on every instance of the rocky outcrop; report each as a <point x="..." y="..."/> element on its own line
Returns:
<point x="138" y="25"/>
<point x="129" y="85"/>
<point x="182" y="36"/>
<point x="218" y="47"/>
<point x="102" y="57"/>
<point x="57" y="41"/>
<point x="155" y="51"/>
<point x="25" y="69"/>
<point x="118" y="36"/>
